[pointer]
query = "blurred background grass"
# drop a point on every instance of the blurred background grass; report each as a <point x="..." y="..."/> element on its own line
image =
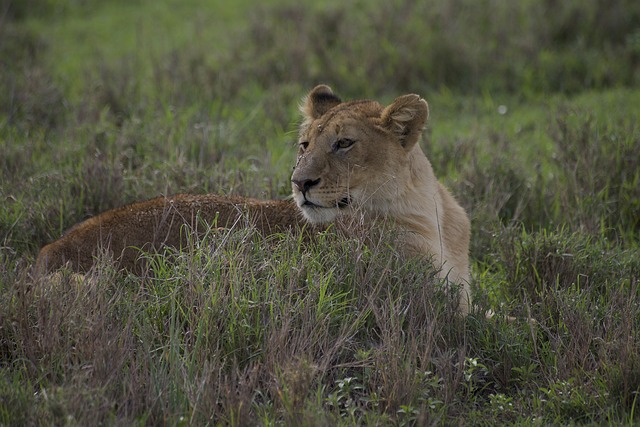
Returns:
<point x="527" y="47"/>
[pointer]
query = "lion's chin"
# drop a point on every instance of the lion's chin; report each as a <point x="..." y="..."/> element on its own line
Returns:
<point x="318" y="214"/>
<point x="321" y="214"/>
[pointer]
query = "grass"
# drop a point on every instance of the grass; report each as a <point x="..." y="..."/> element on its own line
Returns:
<point x="533" y="127"/>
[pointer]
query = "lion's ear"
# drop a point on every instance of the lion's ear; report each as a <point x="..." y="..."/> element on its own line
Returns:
<point x="406" y="118"/>
<point x="320" y="100"/>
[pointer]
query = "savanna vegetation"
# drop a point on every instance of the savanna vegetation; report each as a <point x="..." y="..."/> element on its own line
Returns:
<point x="535" y="127"/>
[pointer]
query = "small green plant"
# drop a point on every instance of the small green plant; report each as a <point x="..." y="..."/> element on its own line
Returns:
<point x="501" y="404"/>
<point x="347" y="397"/>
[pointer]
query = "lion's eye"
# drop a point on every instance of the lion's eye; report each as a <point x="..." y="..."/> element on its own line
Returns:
<point x="304" y="145"/>
<point x="343" y="143"/>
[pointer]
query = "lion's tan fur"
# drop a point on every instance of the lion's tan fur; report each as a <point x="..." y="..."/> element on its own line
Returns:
<point x="355" y="158"/>
<point x="154" y="223"/>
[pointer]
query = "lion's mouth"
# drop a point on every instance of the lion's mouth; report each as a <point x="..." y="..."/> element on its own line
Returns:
<point x="342" y="203"/>
<point x="346" y="201"/>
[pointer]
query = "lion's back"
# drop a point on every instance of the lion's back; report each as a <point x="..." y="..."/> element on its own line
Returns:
<point x="162" y="221"/>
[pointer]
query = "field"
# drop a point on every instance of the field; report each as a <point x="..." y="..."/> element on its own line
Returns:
<point x="535" y="127"/>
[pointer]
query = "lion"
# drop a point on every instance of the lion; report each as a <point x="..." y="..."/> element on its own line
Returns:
<point x="360" y="157"/>
<point x="355" y="159"/>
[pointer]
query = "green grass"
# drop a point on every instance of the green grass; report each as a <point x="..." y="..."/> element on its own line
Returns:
<point x="534" y="127"/>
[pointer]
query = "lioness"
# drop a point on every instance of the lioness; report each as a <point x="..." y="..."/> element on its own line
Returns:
<point x="354" y="158"/>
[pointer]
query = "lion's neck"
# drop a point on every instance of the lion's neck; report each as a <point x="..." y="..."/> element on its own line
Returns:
<point x="418" y="207"/>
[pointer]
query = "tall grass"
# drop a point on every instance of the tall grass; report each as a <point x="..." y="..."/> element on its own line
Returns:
<point x="241" y="328"/>
<point x="532" y="126"/>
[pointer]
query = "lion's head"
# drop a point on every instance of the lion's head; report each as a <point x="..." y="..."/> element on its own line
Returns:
<point x="354" y="154"/>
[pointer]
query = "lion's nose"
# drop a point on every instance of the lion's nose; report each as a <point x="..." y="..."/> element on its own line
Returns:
<point x="304" y="185"/>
